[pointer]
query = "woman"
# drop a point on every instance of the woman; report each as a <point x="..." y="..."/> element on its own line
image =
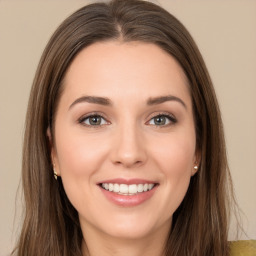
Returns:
<point x="124" y="151"/>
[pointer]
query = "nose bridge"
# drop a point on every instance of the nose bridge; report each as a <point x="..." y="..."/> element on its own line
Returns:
<point x="129" y="149"/>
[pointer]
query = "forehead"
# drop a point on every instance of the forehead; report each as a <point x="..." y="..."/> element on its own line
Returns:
<point x="125" y="69"/>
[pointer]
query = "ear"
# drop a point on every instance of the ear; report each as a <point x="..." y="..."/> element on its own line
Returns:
<point x="54" y="158"/>
<point x="197" y="161"/>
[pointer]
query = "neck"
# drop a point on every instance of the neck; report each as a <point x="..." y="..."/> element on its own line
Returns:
<point x="101" y="244"/>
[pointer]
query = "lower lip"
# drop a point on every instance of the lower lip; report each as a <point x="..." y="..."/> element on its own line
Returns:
<point x="128" y="201"/>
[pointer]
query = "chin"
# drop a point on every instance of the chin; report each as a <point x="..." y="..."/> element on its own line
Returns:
<point x="130" y="232"/>
<point x="135" y="227"/>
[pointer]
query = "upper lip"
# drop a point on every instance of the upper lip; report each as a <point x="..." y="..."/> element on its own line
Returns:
<point x="128" y="181"/>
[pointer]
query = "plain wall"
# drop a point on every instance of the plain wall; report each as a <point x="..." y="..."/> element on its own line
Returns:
<point x="225" y="32"/>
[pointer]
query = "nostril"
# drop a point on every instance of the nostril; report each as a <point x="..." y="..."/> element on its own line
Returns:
<point x="129" y="163"/>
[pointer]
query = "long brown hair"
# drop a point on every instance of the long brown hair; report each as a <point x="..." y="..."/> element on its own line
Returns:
<point x="51" y="226"/>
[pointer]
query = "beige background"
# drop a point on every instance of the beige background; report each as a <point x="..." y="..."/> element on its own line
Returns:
<point x="226" y="34"/>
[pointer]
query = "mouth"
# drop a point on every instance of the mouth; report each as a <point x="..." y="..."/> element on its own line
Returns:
<point x="128" y="190"/>
<point x="128" y="193"/>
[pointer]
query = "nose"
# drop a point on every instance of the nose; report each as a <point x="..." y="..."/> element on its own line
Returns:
<point x="128" y="148"/>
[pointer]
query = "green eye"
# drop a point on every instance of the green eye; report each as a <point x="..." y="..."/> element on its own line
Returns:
<point x="162" y="120"/>
<point x="94" y="120"/>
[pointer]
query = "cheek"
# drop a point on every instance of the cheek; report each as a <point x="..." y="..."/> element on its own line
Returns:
<point x="175" y="159"/>
<point x="176" y="154"/>
<point x="78" y="155"/>
<point x="79" y="158"/>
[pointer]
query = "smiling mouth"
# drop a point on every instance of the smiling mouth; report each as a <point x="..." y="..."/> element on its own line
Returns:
<point x="128" y="190"/>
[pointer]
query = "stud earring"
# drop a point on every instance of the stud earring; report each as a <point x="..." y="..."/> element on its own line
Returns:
<point x="195" y="167"/>
<point x="55" y="173"/>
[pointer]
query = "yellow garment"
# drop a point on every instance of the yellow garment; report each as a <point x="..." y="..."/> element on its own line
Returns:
<point x="243" y="248"/>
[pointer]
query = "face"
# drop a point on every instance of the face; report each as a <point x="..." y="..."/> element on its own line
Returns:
<point x="124" y="138"/>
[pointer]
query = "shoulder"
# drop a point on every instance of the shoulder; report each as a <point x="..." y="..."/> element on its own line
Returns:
<point x="243" y="248"/>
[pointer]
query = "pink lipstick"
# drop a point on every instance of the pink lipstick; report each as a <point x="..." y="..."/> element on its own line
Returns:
<point x="128" y="193"/>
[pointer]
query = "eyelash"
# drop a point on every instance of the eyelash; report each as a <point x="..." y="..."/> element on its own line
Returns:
<point x="172" y="120"/>
<point x="92" y="115"/>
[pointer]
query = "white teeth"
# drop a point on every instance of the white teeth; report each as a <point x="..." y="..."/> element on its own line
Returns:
<point x="110" y="186"/>
<point x="133" y="189"/>
<point x="150" y="186"/>
<point x="145" y="187"/>
<point x="140" y="188"/>
<point x="125" y="189"/>
<point x="116" y="188"/>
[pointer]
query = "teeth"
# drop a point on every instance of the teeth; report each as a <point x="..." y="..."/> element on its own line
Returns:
<point x="125" y="189"/>
<point x="116" y="188"/>
<point x="110" y="187"/>
<point x="133" y="189"/>
<point x="140" y="188"/>
<point x="150" y="186"/>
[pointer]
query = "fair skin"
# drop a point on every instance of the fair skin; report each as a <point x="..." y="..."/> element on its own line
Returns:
<point x="125" y="117"/>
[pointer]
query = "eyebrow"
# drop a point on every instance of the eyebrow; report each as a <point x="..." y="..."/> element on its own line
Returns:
<point x="107" y="102"/>
<point x="163" y="99"/>
<point x="92" y="99"/>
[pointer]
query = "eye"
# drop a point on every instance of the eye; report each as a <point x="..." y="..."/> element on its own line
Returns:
<point x="93" y="120"/>
<point x="162" y="120"/>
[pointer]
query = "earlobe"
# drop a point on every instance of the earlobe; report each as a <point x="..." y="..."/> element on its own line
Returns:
<point x="195" y="169"/>
<point x="196" y="163"/>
